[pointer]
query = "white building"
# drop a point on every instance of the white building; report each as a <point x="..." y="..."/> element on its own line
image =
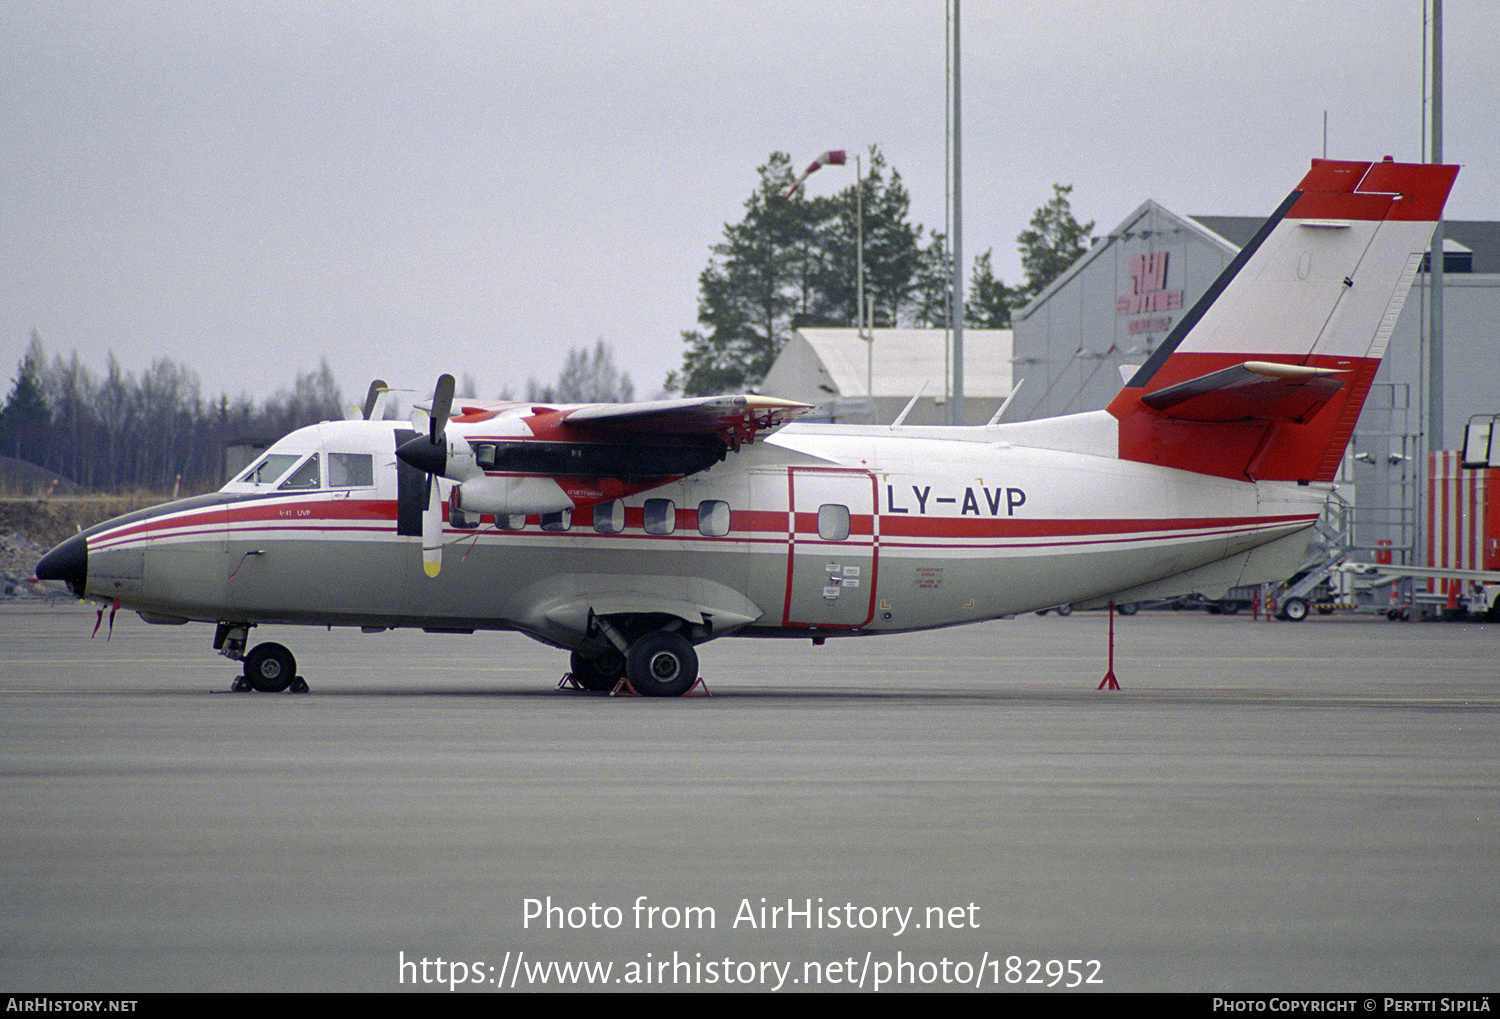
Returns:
<point x="839" y="373"/>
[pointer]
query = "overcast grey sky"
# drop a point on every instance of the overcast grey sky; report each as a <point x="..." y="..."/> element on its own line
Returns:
<point x="417" y="187"/>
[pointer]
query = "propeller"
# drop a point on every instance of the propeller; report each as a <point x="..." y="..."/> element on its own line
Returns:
<point x="429" y="453"/>
<point x="438" y="454"/>
<point x="432" y="520"/>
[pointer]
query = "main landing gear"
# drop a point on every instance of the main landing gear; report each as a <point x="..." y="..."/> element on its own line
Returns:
<point x="657" y="663"/>
<point x="268" y="668"/>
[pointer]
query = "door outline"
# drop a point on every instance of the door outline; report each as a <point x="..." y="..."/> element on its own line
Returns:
<point x="863" y="541"/>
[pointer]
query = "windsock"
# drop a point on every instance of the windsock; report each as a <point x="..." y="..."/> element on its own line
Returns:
<point x="833" y="156"/>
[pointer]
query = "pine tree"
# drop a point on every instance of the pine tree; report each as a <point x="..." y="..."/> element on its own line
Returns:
<point x="989" y="300"/>
<point x="791" y="262"/>
<point x="26" y="417"/>
<point x="1054" y="242"/>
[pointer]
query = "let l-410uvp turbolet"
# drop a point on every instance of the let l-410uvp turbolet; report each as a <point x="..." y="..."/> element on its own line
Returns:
<point x="629" y="534"/>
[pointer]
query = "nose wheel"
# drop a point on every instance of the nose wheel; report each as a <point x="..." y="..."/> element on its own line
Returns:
<point x="271" y="668"/>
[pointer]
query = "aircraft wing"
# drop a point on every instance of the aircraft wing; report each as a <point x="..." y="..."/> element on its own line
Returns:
<point x="734" y="419"/>
<point x="550" y="458"/>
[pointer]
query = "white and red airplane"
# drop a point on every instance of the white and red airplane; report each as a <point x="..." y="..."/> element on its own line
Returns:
<point x="630" y="534"/>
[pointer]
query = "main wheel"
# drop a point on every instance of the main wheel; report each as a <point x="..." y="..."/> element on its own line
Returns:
<point x="1128" y="608"/>
<point x="1295" y="610"/>
<point x="662" y="664"/>
<point x="270" y="668"/>
<point x="601" y="672"/>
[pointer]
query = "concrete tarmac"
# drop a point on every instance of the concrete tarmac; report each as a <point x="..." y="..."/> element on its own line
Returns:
<point x="1263" y="807"/>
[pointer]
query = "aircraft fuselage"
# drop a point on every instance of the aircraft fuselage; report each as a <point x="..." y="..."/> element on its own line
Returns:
<point x="815" y="531"/>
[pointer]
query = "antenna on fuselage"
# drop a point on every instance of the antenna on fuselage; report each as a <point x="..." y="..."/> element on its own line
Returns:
<point x="1013" y="391"/>
<point x="909" y="405"/>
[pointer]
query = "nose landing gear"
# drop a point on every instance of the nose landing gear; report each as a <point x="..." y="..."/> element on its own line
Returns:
<point x="268" y="668"/>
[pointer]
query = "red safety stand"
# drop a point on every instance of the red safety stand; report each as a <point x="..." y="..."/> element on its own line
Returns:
<point x="624" y="689"/>
<point x="1109" y="682"/>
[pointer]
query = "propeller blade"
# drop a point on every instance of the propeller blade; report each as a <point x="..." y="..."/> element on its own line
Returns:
<point x="432" y="531"/>
<point x="373" y="397"/>
<point x="442" y="404"/>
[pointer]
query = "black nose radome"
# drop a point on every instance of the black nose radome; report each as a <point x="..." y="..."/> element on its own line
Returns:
<point x="68" y="562"/>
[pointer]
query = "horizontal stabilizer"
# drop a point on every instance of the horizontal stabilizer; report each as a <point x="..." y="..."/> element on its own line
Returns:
<point x="1253" y="390"/>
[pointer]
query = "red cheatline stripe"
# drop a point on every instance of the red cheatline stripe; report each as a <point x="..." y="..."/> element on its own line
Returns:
<point x="373" y="517"/>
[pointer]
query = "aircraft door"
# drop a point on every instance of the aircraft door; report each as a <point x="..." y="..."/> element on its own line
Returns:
<point x="833" y="548"/>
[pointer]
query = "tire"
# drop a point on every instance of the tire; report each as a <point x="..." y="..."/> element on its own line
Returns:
<point x="1065" y="610"/>
<point x="662" y="664"/>
<point x="599" y="673"/>
<point x="270" y="668"/>
<point x="1295" y="610"/>
<point x="1129" y="608"/>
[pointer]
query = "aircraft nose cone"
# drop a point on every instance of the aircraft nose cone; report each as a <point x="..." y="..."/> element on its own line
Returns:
<point x="68" y="562"/>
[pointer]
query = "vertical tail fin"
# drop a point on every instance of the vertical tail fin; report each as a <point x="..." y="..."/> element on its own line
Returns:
<point x="1264" y="378"/>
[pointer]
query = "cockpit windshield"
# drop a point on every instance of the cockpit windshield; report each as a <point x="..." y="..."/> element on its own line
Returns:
<point x="270" y="469"/>
<point x="304" y="477"/>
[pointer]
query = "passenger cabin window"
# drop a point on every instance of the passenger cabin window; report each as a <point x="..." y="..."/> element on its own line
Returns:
<point x="268" y="470"/>
<point x="351" y="470"/>
<point x="660" y="516"/>
<point x="713" y="518"/>
<point x="304" y="478"/>
<point x="833" y="521"/>
<point x="609" y="517"/>
<point x="510" y="521"/>
<point x="484" y="455"/>
<point x="562" y="520"/>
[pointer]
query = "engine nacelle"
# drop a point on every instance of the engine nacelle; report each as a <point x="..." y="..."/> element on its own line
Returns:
<point x="505" y="495"/>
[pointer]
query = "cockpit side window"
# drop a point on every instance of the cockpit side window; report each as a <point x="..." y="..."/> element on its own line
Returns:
<point x="351" y="470"/>
<point x="305" y="477"/>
